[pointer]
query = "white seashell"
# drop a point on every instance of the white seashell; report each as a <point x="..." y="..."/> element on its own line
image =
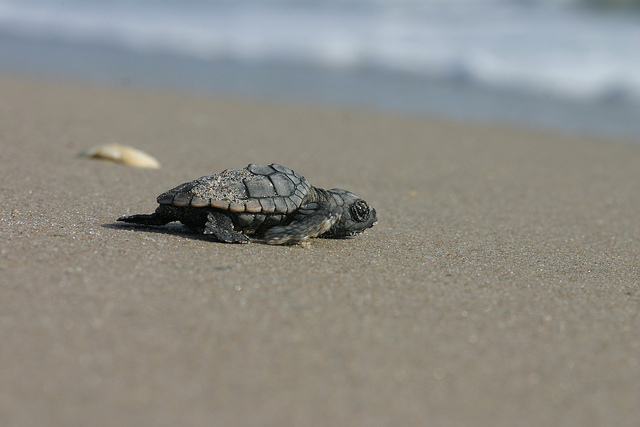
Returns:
<point x="122" y="154"/>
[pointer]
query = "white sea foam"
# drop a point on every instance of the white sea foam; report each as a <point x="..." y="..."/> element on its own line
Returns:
<point x="547" y="46"/>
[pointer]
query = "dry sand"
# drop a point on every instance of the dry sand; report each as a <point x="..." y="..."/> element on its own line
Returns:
<point x="501" y="285"/>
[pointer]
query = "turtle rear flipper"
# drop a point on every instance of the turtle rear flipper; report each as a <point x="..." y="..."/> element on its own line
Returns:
<point x="311" y="220"/>
<point x="151" y="219"/>
<point x="221" y="227"/>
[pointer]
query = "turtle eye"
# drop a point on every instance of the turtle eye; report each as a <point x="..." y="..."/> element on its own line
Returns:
<point x="359" y="210"/>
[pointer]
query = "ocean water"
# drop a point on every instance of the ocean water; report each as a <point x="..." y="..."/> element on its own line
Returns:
<point x="568" y="65"/>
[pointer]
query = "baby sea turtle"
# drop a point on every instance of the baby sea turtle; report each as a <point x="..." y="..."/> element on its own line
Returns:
<point x="273" y="202"/>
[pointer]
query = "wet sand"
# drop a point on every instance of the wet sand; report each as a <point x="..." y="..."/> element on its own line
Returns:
<point x="501" y="285"/>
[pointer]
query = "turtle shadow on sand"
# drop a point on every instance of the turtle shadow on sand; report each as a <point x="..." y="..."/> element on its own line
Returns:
<point x="184" y="231"/>
<point x="173" y="228"/>
<point x="176" y="229"/>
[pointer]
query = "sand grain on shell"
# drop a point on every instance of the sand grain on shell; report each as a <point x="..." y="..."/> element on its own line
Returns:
<point x="227" y="185"/>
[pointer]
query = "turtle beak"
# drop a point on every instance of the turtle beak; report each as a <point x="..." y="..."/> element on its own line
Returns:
<point x="374" y="217"/>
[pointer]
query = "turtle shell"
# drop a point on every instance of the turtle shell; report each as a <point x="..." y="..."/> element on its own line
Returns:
<point x="272" y="189"/>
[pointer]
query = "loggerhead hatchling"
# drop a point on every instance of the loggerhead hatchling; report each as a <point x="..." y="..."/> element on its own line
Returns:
<point x="273" y="202"/>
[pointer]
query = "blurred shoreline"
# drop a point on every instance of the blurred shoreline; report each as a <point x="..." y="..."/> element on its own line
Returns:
<point x="376" y="90"/>
<point x="564" y="65"/>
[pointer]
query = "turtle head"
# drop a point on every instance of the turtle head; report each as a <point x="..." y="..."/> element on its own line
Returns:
<point x="354" y="214"/>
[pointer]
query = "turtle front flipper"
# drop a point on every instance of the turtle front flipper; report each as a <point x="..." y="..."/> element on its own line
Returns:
<point x="311" y="220"/>
<point x="151" y="219"/>
<point x="221" y="227"/>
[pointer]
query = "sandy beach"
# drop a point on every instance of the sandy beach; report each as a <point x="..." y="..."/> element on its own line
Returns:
<point x="500" y="287"/>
